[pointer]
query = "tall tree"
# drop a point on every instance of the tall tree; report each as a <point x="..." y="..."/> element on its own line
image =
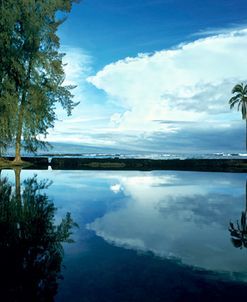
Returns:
<point x="240" y="100"/>
<point x="8" y="71"/>
<point x="33" y="70"/>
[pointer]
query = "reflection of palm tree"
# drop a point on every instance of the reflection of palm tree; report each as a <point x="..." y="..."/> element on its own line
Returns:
<point x="239" y="233"/>
<point x="30" y="243"/>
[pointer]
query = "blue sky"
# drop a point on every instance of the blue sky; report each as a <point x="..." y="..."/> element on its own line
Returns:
<point x="154" y="75"/>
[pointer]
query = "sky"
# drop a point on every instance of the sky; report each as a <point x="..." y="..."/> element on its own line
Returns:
<point x="154" y="75"/>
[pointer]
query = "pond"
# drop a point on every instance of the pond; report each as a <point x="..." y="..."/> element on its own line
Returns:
<point x="140" y="236"/>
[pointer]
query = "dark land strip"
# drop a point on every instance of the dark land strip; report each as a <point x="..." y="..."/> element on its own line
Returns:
<point x="207" y="165"/>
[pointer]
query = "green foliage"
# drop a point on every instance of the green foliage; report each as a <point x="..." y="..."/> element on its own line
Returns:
<point x="239" y="99"/>
<point x="31" y="70"/>
<point x="8" y="66"/>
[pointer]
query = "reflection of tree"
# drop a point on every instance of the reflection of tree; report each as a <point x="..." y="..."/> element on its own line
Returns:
<point x="30" y="243"/>
<point x="239" y="232"/>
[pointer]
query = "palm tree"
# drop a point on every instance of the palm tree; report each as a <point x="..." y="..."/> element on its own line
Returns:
<point x="240" y="100"/>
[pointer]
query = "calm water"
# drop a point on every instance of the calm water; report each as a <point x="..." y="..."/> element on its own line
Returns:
<point x="142" y="236"/>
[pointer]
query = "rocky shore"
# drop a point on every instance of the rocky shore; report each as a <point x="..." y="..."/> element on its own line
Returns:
<point x="65" y="163"/>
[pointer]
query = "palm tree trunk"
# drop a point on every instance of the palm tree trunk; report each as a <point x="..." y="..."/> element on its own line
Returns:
<point x="246" y="134"/>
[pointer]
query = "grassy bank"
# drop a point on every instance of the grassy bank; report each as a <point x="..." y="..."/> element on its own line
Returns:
<point x="207" y="165"/>
<point x="5" y="163"/>
<point x="27" y="162"/>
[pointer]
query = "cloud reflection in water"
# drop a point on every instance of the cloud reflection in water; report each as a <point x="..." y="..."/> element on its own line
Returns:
<point x="176" y="217"/>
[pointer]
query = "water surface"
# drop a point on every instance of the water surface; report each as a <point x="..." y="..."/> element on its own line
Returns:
<point x="150" y="236"/>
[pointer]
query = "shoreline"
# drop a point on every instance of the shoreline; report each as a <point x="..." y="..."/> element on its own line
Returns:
<point x="75" y="163"/>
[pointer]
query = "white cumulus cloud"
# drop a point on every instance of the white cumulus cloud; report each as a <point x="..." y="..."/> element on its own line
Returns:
<point x="190" y="83"/>
<point x="171" y="100"/>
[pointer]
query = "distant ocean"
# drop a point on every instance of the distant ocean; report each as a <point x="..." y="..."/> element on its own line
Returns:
<point x="74" y="150"/>
<point x="150" y="155"/>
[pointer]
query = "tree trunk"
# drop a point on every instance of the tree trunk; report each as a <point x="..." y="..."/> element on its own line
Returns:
<point x="17" y="159"/>
<point x="19" y="132"/>
<point x="246" y="134"/>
